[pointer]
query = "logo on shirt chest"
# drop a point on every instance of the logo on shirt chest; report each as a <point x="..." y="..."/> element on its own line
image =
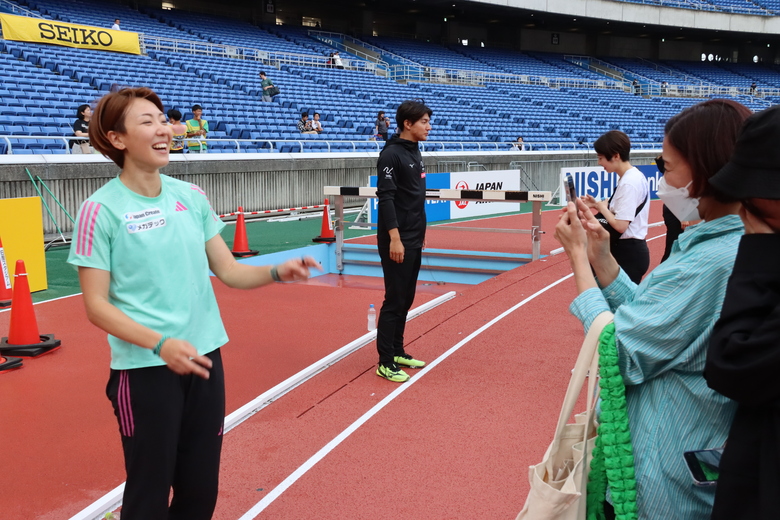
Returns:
<point x="145" y="220"/>
<point x="135" y="216"/>
<point x="146" y="226"/>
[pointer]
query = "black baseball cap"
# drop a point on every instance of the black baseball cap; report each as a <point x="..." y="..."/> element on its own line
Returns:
<point x="754" y="168"/>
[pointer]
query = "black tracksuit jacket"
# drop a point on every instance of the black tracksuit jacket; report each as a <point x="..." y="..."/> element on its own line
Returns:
<point x="401" y="193"/>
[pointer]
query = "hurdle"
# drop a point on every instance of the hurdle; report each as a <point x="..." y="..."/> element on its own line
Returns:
<point x="536" y="197"/>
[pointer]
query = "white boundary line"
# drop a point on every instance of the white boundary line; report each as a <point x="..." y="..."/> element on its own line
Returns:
<point x="45" y="301"/>
<point x="113" y="499"/>
<point x="314" y="459"/>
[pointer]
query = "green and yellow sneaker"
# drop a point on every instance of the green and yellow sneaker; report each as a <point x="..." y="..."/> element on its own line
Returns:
<point x="408" y="361"/>
<point x="393" y="373"/>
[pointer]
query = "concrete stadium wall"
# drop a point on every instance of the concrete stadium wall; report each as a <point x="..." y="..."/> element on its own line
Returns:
<point x="265" y="182"/>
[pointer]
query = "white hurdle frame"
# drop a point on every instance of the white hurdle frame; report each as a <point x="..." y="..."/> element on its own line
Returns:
<point x="536" y="197"/>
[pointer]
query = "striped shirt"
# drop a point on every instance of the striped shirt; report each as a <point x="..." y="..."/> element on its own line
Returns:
<point x="663" y="326"/>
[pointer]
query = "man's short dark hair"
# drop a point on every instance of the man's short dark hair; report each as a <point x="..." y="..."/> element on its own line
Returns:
<point x="613" y="143"/>
<point x="174" y="114"/>
<point x="262" y="73"/>
<point x="411" y="110"/>
<point x="196" y="107"/>
<point x="316" y="113"/>
<point x="304" y="114"/>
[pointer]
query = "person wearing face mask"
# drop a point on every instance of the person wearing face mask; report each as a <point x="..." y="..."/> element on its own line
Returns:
<point x="744" y="354"/>
<point x="663" y="325"/>
<point x="626" y="212"/>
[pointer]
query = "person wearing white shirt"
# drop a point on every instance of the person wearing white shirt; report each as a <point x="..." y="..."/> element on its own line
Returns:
<point x="626" y="212"/>
<point x="116" y="25"/>
<point x="315" y="124"/>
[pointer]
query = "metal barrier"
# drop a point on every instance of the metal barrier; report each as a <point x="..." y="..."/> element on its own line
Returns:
<point x="536" y="197"/>
<point x="241" y="145"/>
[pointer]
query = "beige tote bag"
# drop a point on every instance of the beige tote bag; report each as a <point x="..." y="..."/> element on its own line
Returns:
<point x="559" y="482"/>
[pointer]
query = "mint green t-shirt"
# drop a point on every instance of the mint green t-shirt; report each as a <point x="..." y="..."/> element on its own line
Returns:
<point x="155" y="250"/>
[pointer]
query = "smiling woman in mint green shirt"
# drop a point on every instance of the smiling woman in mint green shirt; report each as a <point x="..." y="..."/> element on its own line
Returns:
<point x="144" y="244"/>
<point x="663" y="324"/>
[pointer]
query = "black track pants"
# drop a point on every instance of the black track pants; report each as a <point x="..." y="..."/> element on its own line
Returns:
<point x="400" y="286"/>
<point x="171" y="429"/>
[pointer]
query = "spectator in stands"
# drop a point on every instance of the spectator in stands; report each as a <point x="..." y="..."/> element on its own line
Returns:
<point x="400" y="234"/>
<point x="116" y="25"/>
<point x="197" y="127"/>
<point x="329" y="63"/>
<point x="179" y="131"/>
<point x="381" y="125"/>
<point x="315" y="124"/>
<point x="626" y="212"/>
<point x="753" y="89"/>
<point x="635" y="85"/>
<point x="304" y="125"/>
<point x="268" y="87"/>
<point x="143" y="267"/>
<point x="337" y="60"/>
<point x="519" y="145"/>
<point x="664" y="88"/>
<point x="662" y="326"/>
<point x="744" y="348"/>
<point x="81" y="129"/>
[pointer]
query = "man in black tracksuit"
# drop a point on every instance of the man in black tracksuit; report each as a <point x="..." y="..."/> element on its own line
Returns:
<point x="400" y="234"/>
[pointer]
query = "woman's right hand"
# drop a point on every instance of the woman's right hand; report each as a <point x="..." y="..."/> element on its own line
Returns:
<point x="598" y="237"/>
<point x="182" y="358"/>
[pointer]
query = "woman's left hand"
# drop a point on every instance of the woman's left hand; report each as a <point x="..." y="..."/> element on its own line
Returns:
<point x="296" y="269"/>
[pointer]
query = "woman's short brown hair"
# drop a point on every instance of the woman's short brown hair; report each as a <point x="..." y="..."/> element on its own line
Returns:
<point x="110" y="116"/>
<point x="705" y="135"/>
<point x="613" y="143"/>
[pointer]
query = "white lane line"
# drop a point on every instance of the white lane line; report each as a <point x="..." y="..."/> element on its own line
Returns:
<point x="113" y="499"/>
<point x="314" y="459"/>
<point x="45" y="301"/>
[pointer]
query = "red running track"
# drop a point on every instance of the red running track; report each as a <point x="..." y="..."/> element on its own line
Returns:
<point x="455" y="444"/>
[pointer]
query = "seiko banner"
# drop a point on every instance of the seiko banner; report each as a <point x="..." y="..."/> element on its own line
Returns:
<point x="435" y="210"/>
<point x="595" y="181"/>
<point x="24" y="29"/>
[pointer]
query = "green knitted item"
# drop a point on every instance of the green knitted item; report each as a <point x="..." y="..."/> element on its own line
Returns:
<point x="613" y="454"/>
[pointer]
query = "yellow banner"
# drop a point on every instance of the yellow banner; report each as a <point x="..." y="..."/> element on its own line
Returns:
<point x="26" y="29"/>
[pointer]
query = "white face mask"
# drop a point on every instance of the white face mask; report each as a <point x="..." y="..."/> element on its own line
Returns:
<point x="679" y="201"/>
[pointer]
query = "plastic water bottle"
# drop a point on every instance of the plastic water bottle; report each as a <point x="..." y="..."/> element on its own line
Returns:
<point x="371" y="318"/>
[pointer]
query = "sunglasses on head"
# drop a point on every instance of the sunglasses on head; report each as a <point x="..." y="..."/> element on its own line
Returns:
<point x="659" y="162"/>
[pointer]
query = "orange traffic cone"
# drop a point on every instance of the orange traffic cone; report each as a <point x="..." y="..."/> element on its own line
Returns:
<point x="326" y="235"/>
<point x="240" y="245"/>
<point x="9" y="363"/>
<point x="5" y="280"/>
<point x="23" y="338"/>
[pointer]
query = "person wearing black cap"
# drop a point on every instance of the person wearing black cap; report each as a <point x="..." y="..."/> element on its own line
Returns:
<point x="743" y="362"/>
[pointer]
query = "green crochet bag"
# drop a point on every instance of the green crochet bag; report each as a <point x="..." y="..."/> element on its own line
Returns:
<point x="613" y="455"/>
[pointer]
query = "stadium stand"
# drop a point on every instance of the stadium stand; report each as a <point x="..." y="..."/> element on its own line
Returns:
<point x="479" y="96"/>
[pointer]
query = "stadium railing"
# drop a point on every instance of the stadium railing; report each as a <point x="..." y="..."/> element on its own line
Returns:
<point x="15" y="143"/>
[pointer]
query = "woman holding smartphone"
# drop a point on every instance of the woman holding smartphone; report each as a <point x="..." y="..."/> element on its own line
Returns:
<point x="663" y="325"/>
<point x="144" y="244"/>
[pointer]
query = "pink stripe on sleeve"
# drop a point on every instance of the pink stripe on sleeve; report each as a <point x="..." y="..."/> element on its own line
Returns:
<point x="92" y="229"/>
<point x="82" y="227"/>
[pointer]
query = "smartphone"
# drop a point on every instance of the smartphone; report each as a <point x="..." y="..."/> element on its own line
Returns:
<point x="571" y="192"/>
<point x="704" y="465"/>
